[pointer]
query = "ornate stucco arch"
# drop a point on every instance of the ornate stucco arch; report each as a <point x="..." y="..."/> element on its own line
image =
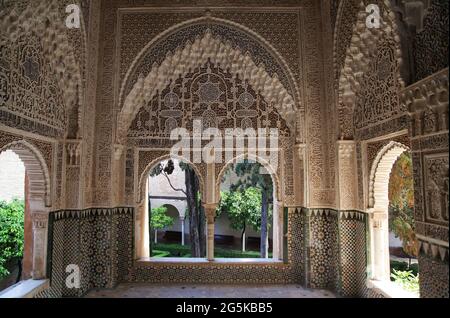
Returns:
<point x="378" y="208"/>
<point x="379" y="174"/>
<point x="353" y="54"/>
<point x="39" y="200"/>
<point x="36" y="169"/>
<point x="261" y="65"/>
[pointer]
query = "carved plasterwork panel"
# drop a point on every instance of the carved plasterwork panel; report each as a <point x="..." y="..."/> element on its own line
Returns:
<point x="430" y="44"/>
<point x="28" y="88"/>
<point x="211" y="95"/>
<point x="378" y="98"/>
<point x="42" y="72"/>
<point x="366" y="46"/>
<point x="436" y="188"/>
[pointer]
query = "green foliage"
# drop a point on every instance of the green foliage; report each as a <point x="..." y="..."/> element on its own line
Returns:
<point x="243" y="208"/>
<point x="401" y="204"/>
<point x="250" y="175"/>
<point x="158" y="253"/>
<point x="177" y="250"/>
<point x="173" y="250"/>
<point x="11" y="232"/>
<point x="407" y="280"/>
<point x="159" y="219"/>
<point x="403" y="266"/>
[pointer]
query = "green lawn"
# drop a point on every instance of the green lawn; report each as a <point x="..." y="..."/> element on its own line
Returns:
<point x="177" y="250"/>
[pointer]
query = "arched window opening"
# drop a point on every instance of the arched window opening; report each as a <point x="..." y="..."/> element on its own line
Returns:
<point x="394" y="245"/>
<point x="177" y="223"/>
<point x="15" y="231"/>
<point x="244" y="218"/>
<point x="403" y="244"/>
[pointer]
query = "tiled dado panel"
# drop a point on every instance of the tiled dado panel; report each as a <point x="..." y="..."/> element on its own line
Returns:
<point x="323" y="249"/>
<point x="99" y="241"/>
<point x="291" y="271"/>
<point x="433" y="277"/>
<point x="353" y="256"/>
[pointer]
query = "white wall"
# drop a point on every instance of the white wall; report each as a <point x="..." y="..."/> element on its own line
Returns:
<point x="394" y="241"/>
<point x="159" y="186"/>
<point x="12" y="176"/>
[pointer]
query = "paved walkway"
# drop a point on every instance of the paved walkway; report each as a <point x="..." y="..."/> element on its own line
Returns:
<point x="210" y="291"/>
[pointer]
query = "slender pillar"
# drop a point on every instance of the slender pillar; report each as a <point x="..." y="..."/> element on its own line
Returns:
<point x="182" y="230"/>
<point x="40" y="221"/>
<point x="210" y="211"/>
<point x="380" y="252"/>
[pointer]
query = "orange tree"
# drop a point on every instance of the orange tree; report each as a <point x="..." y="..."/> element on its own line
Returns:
<point x="401" y="204"/>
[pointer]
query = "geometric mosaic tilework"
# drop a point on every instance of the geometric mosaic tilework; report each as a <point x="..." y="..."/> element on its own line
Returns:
<point x="97" y="240"/>
<point x="353" y="259"/>
<point x="323" y="249"/>
<point x="432" y="271"/>
<point x="321" y="244"/>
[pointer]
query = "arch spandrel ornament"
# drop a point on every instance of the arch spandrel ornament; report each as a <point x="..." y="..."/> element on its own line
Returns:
<point x="205" y="40"/>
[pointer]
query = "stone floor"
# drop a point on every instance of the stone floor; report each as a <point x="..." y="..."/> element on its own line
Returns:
<point x="210" y="291"/>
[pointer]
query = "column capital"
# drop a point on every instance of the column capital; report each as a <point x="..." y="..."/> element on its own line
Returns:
<point x="210" y="211"/>
<point x="39" y="219"/>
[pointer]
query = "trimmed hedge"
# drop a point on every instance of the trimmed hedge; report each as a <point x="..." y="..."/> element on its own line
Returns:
<point x="403" y="266"/>
<point x="176" y="250"/>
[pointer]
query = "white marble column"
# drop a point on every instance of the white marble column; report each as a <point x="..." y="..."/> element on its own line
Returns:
<point x="40" y="222"/>
<point x="210" y="211"/>
<point x="380" y="245"/>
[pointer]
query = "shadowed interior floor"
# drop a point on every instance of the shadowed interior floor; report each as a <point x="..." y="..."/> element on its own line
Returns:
<point x="132" y="290"/>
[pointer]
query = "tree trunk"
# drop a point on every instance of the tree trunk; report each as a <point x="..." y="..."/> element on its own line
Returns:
<point x="193" y="212"/>
<point x="264" y="214"/>
<point x="19" y="274"/>
<point x="149" y="226"/>
<point x="202" y="230"/>
<point x="156" y="236"/>
<point x="243" y="239"/>
<point x="201" y="219"/>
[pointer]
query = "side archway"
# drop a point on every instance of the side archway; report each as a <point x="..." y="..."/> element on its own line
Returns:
<point x="378" y="208"/>
<point x="38" y="203"/>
